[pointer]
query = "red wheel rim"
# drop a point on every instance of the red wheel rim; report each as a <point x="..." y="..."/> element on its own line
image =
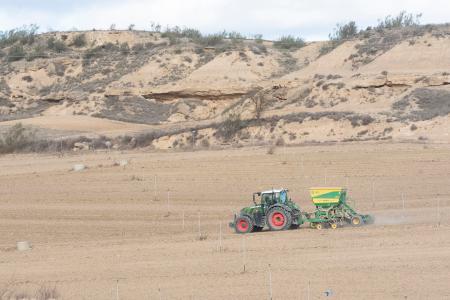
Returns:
<point x="278" y="219"/>
<point x="242" y="225"/>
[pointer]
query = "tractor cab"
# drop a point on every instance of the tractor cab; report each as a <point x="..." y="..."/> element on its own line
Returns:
<point x="271" y="197"/>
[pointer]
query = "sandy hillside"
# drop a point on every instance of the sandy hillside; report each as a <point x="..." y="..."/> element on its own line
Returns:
<point x="389" y="84"/>
<point x="107" y="223"/>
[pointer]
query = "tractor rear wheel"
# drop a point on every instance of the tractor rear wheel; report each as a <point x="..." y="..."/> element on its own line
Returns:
<point x="279" y="219"/>
<point x="243" y="224"/>
<point x="357" y="221"/>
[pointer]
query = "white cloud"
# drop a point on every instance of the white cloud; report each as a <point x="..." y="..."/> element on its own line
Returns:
<point x="310" y="19"/>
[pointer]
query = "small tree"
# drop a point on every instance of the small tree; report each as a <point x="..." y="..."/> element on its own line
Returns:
<point x="258" y="38"/>
<point x="258" y="101"/>
<point x="344" y="32"/>
<point x="340" y="34"/>
<point x="403" y="19"/>
<point x="155" y="27"/>
<point x="131" y="27"/>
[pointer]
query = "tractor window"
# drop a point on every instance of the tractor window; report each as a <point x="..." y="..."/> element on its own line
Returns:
<point x="276" y="197"/>
<point x="270" y="199"/>
<point x="283" y="197"/>
<point x="266" y="199"/>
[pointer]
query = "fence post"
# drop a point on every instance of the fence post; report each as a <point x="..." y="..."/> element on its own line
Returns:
<point x="270" y="284"/>
<point x="154" y="188"/>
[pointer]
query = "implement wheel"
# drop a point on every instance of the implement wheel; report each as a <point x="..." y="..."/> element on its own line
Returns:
<point x="333" y="225"/>
<point x="243" y="224"/>
<point x="319" y="226"/>
<point x="279" y="219"/>
<point x="356" y="221"/>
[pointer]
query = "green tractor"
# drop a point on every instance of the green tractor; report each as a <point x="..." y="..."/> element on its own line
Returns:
<point x="275" y="209"/>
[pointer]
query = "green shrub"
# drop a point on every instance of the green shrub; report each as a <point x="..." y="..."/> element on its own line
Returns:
<point x="258" y="38"/>
<point x="205" y="143"/>
<point x="173" y="34"/>
<point x="191" y="33"/>
<point x="258" y="48"/>
<point x="38" y="52"/>
<point x="124" y="48"/>
<point x="403" y="19"/>
<point x="60" y="69"/>
<point x="56" y="45"/>
<point x="138" y="47"/>
<point x="235" y="37"/>
<point x="24" y="35"/>
<point x="340" y="34"/>
<point x="16" y="139"/>
<point x="79" y="40"/>
<point x="212" y="39"/>
<point x="289" y="43"/>
<point x="91" y="53"/>
<point x="16" y="52"/>
<point x="327" y="47"/>
<point x="344" y="32"/>
<point x="230" y="127"/>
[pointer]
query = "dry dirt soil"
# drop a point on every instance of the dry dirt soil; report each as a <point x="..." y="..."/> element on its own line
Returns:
<point x="103" y="232"/>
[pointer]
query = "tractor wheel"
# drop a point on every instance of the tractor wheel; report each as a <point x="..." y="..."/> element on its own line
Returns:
<point x="279" y="219"/>
<point x="319" y="226"/>
<point x="357" y="221"/>
<point x="333" y="225"/>
<point x="243" y="224"/>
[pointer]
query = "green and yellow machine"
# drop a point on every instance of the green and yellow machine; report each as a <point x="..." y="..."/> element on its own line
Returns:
<point x="332" y="209"/>
<point x="276" y="210"/>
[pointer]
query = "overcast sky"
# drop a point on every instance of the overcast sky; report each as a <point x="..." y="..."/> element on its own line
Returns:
<point x="312" y="19"/>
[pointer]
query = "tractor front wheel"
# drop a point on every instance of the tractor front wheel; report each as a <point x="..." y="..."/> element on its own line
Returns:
<point x="279" y="219"/>
<point x="243" y="224"/>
